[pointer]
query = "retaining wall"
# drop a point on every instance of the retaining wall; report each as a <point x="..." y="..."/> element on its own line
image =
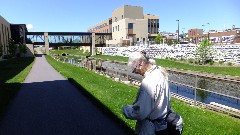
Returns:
<point x="226" y="53"/>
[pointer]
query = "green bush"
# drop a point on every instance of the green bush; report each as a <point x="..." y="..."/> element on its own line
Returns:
<point x="87" y="53"/>
<point x="1" y="50"/>
<point x="196" y="62"/>
<point x="221" y="62"/>
<point x="191" y="60"/>
<point x="229" y="63"/>
<point x="211" y="62"/>
<point x="60" y="48"/>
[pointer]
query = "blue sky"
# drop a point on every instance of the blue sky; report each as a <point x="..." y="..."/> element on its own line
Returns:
<point x="78" y="15"/>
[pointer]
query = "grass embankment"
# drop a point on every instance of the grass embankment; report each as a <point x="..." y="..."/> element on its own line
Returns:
<point x="114" y="95"/>
<point x="12" y="73"/>
<point x="72" y="52"/>
<point x="232" y="71"/>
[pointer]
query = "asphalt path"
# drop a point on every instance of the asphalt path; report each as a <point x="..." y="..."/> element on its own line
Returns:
<point x="48" y="104"/>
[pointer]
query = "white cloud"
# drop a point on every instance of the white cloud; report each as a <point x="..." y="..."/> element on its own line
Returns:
<point x="30" y="27"/>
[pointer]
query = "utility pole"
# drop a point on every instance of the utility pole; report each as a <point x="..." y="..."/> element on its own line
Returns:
<point x="183" y="34"/>
<point x="178" y="30"/>
<point x="203" y="32"/>
<point x="208" y="31"/>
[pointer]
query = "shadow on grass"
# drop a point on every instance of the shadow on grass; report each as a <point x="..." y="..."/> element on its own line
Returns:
<point x="101" y="106"/>
<point x="8" y="70"/>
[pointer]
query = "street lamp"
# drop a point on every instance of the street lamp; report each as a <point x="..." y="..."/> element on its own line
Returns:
<point x="208" y="30"/>
<point x="178" y="29"/>
<point x="203" y="37"/>
<point x="183" y="33"/>
<point x="203" y="27"/>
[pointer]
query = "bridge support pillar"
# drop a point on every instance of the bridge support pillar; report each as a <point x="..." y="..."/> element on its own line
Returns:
<point x="92" y="47"/>
<point x="46" y="42"/>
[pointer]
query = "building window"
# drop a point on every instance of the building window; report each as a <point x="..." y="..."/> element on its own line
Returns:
<point x="130" y="25"/>
<point x="113" y="29"/>
<point x="118" y="27"/>
<point x="122" y="16"/>
<point x="137" y="39"/>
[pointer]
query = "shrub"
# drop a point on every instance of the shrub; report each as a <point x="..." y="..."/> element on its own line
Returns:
<point x="211" y="62"/>
<point x="221" y="62"/>
<point x="60" y="48"/>
<point x="190" y="61"/>
<point x="81" y="51"/>
<point x="1" y="50"/>
<point x="229" y="64"/>
<point x="7" y="56"/>
<point x="12" y="47"/>
<point x="87" y="53"/>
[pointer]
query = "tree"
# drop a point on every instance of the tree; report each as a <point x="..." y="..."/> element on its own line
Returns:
<point x="12" y="47"/>
<point x="175" y="42"/>
<point x="169" y="42"/>
<point x="22" y="48"/>
<point x="29" y="41"/>
<point x="204" y="52"/>
<point x="1" y="50"/>
<point x="159" y="39"/>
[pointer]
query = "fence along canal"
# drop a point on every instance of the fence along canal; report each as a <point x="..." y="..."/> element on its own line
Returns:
<point x="218" y="93"/>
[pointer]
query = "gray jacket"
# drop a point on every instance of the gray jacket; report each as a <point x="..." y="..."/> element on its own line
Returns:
<point x="144" y="108"/>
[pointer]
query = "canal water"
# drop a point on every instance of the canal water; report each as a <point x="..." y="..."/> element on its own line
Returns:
<point x="205" y="97"/>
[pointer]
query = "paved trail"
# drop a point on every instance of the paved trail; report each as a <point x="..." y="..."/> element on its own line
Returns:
<point x="47" y="104"/>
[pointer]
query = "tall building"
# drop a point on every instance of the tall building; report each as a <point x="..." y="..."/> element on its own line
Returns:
<point x="18" y="32"/>
<point x="5" y="34"/>
<point x="102" y="27"/>
<point x="153" y="25"/>
<point x="129" y="26"/>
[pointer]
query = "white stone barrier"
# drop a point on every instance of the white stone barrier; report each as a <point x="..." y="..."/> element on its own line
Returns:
<point x="226" y="53"/>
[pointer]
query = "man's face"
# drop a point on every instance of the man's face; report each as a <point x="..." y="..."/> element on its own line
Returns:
<point x="138" y="68"/>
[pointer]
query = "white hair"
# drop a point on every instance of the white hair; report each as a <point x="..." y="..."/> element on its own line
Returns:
<point x="136" y="57"/>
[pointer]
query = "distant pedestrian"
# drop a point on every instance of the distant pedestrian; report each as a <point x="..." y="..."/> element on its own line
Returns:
<point x="152" y="104"/>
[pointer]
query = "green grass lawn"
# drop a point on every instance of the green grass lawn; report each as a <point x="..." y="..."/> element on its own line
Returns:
<point x="12" y="73"/>
<point x="113" y="95"/>
<point x="72" y="52"/>
<point x="233" y="71"/>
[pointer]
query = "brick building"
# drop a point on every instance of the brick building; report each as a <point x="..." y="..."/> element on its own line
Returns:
<point x="229" y="36"/>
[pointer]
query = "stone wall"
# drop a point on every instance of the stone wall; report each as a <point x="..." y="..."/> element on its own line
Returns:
<point x="227" y="53"/>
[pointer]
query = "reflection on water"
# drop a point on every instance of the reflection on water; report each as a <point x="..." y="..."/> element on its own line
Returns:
<point x="205" y="97"/>
<point x="202" y="83"/>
